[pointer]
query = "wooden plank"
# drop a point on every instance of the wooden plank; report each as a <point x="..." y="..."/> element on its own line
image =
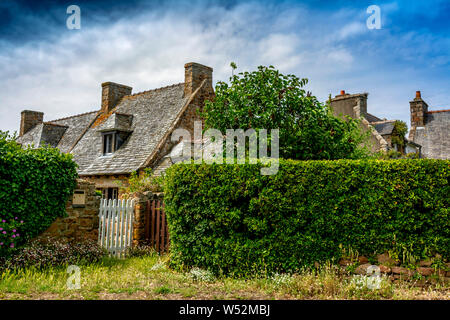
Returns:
<point x="131" y="213"/>
<point x="108" y="225"/>
<point x="158" y="225"/>
<point x="147" y="220"/>
<point x="153" y="224"/>
<point x="122" y="229"/>
<point x="163" y="230"/>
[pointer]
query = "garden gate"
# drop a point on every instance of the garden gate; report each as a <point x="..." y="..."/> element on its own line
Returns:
<point x="156" y="231"/>
<point x="116" y="226"/>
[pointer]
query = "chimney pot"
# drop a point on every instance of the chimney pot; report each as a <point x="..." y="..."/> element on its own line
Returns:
<point x="418" y="94"/>
<point x="342" y="92"/>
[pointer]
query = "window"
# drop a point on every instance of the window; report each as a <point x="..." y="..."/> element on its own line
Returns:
<point x="112" y="141"/>
<point x="110" y="193"/>
<point x="108" y="143"/>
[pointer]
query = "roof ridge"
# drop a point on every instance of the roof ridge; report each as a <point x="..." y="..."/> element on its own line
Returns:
<point x="436" y="111"/>
<point x="76" y="115"/>
<point x="382" y="121"/>
<point x="156" y="89"/>
<point x="55" y="124"/>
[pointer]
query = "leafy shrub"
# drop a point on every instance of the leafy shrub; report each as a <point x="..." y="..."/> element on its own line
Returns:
<point x="34" y="187"/>
<point x="141" y="182"/>
<point x="231" y="219"/>
<point x="50" y="252"/>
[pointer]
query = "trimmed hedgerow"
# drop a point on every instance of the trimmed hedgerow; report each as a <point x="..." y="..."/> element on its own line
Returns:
<point x="231" y="219"/>
<point x="34" y="187"/>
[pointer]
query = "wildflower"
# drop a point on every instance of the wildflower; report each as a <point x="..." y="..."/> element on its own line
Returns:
<point x="15" y="218"/>
<point x="14" y="230"/>
<point x="1" y="229"/>
<point x="4" y="232"/>
<point x="21" y="221"/>
<point x="12" y="245"/>
<point x="13" y="236"/>
<point x="3" y="220"/>
<point x="1" y="243"/>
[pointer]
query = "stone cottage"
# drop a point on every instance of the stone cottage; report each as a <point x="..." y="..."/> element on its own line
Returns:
<point x="130" y="132"/>
<point x="430" y="129"/>
<point x="381" y="130"/>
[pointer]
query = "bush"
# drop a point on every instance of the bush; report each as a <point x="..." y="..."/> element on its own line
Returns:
<point x="232" y="219"/>
<point x="34" y="187"/>
<point x="268" y="99"/>
<point x="141" y="182"/>
<point x="51" y="252"/>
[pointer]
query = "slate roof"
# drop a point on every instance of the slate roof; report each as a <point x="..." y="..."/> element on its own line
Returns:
<point x="148" y="115"/>
<point x="371" y="118"/>
<point x="384" y="127"/>
<point x="75" y="127"/>
<point x="434" y="137"/>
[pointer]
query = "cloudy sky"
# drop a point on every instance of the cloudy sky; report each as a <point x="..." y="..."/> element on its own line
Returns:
<point x="44" y="66"/>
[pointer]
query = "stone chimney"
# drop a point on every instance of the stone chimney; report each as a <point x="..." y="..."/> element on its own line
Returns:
<point x="353" y="105"/>
<point x="111" y="95"/>
<point x="194" y="74"/>
<point x="29" y="119"/>
<point x="418" y="109"/>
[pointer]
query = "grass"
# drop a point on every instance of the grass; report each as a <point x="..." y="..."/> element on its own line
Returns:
<point x="149" y="277"/>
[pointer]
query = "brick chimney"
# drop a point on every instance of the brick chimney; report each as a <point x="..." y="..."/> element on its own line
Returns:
<point x="112" y="93"/>
<point x="29" y="119"/>
<point x="194" y="74"/>
<point x="418" y="109"/>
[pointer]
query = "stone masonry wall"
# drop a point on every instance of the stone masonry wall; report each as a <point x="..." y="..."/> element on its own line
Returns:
<point x="82" y="219"/>
<point x="422" y="272"/>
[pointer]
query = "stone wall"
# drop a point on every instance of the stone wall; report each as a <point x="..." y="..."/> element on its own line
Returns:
<point x="422" y="272"/>
<point x="81" y="221"/>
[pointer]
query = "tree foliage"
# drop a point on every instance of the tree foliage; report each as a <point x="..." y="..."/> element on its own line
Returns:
<point x="267" y="99"/>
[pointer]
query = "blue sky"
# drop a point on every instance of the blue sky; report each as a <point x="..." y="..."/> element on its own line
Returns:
<point x="47" y="67"/>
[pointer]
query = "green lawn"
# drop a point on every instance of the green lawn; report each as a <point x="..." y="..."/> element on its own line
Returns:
<point x="149" y="278"/>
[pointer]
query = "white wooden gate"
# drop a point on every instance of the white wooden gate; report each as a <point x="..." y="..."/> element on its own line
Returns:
<point x="116" y="226"/>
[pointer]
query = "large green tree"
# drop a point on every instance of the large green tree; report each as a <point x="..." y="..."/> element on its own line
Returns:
<point x="267" y="99"/>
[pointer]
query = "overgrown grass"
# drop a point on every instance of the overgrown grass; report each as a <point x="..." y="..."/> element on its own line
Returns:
<point x="148" y="277"/>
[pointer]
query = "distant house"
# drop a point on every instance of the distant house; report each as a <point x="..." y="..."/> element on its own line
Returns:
<point x="430" y="129"/>
<point x="130" y="132"/>
<point x="381" y="130"/>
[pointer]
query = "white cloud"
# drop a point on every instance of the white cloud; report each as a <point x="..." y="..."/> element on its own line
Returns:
<point x="63" y="77"/>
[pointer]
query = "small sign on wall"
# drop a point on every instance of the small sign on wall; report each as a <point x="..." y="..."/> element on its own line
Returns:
<point x="79" y="199"/>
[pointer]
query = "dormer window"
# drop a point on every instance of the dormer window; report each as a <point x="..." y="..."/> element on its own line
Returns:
<point x="112" y="141"/>
<point x="108" y="143"/>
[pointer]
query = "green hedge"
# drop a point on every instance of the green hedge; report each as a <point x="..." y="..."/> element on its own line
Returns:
<point x="34" y="187"/>
<point x="231" y="219"/>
